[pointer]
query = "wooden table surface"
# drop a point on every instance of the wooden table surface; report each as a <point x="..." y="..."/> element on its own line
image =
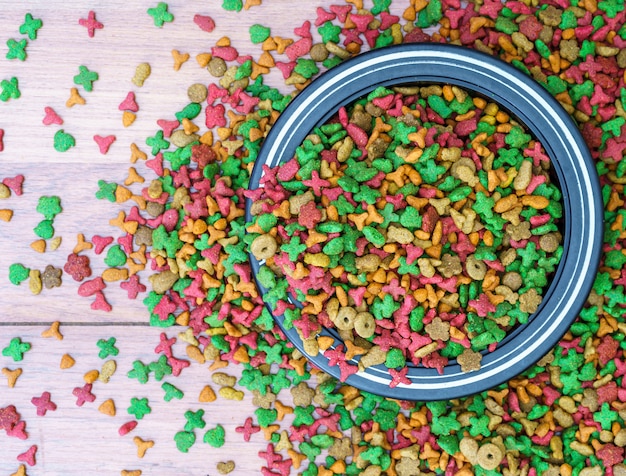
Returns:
<point x="83" y="441"/>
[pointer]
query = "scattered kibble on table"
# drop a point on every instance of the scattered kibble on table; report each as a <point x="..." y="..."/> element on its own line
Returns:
<point x="398" y="196"/>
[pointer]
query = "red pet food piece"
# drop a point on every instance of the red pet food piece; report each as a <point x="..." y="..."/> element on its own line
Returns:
<point x="168" y="126"/>
<point x="205" y="22"/>
<point x="133" y="287"/>
<point x="28" y="456"/>
<point x="91" y="287"/>
<point x="83" y="394"/>
<point x="43" y="404"/>
<point x="51" y="117"/>
<point x="18" y="431"/>
<point x="8" y="417"/>
<point x="104" y="142"/>
<point x="323" y="16"/>
<point x="91" y="24"/>
<point x="129" y="103"/>
<point x="127" y="427"/>
<point x="101" y="242"/>
<point x="14" y="183"/>
<point x="77" y="266"/>
<point x="101" y="304"/>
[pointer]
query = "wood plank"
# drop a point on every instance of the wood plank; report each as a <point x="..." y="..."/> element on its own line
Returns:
<point x="79" y="441"/>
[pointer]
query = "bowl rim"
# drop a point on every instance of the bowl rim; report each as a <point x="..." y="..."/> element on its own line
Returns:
<point x="571" y="160"/>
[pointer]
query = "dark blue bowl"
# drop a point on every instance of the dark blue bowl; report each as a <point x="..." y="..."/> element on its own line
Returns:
<point x="573" y="167"/>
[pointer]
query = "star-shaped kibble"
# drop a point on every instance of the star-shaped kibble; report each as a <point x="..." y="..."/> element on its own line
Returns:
<point x="51" y="277"/>
<point x="91" y="24"/>
<point x="16" y="349"/>
<point x="160" y="368"/>
<point x="329" y="32"/>
<point x="293" y="248"/>
<point x="30" y="26"/>
<point x="106" y="190"/>
<point x="139" y="407"/>
<point x="160" y="15"/>
<point x="248" y="429"/>
<point x="469" y="360"/>
<point x="157" y="142"/>
<point x="83" y="394"/>
<point x="9" y="417"/>
<point x="43" y="403"/>
<point x="140" y="371"/>
<point x="85" y="78"/>
<point x="49" y="206"/>
<point x="10" y="89"/>
<point x="133" y="286"/>
<point x="194" y="420"/>
<point x="17" y="49"/>
<point x="107" y="348"/>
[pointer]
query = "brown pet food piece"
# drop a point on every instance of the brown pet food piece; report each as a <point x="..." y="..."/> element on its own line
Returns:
<point x="51" y="277"/>
<point x="489" y="456"/>
<point x="469" y="360"/>
<point x="264" y="247"/>
<point x="225" y="380"/>
<point x="225" y="467"/>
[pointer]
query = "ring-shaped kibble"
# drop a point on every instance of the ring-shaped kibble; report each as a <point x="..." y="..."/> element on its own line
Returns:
<point x="263" y="247"/>
<point x="364" y="324"/>
<point x="345" y="318"/>
<point x="489" y="456"/>
<point x="547" y="121"/>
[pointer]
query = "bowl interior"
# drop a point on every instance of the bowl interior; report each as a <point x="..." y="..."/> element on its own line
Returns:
<point x="572" y="170"/>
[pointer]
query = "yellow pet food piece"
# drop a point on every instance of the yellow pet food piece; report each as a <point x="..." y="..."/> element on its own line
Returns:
<point x="6" y="214"/>
<point x="142" y="72"/>
<point x="207" y="395"/>
<point x="107" y="408"/>
<point x="230" y="393"/>
<point x="128" y="118"/>
<point x="39" y="246"/>
<point x="67" y="361"/>
<point x="179" y="59"/>
<point x="142" y="446"/>
<point x="75" y="98"/>
<point x="11" y="375"/>
<point x="53" y="331"/>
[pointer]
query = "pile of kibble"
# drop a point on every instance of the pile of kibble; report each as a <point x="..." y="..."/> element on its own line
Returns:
<point x="410" y="223"/>
<point x="565" y="415"/>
